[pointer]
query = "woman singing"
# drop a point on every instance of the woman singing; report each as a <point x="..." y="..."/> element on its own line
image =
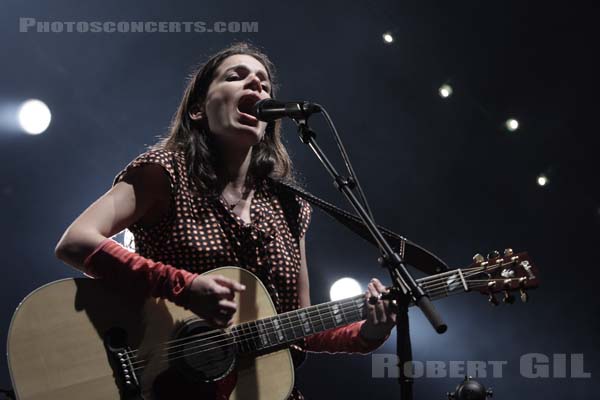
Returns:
<point x="204" y="197"/>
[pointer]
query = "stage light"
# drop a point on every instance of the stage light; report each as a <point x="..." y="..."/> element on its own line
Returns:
<point x="388" y="38"/>
<point x="542" y="180"/>
<point x="343" y="288"/>
<point x="445" y="90"/>
<point x="512" y="124"/>
<point x="34" y="117"/>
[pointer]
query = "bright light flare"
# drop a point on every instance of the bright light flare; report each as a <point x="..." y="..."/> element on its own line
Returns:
<point x="512" y="124"/>
<point x="34" y="117"/>
<point x="542" y="180"/>
<point x="344" y="288"/>
<point x="445" y="90"/>
<point x="388" y="38"/>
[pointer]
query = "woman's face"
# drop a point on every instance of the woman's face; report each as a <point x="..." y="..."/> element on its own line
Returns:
<point x="239" y="82"/>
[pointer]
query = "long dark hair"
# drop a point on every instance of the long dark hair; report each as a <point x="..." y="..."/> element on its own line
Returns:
<point x="269" y="157"/>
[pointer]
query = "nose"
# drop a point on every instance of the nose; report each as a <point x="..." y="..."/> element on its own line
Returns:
<point x="254" y="83"/>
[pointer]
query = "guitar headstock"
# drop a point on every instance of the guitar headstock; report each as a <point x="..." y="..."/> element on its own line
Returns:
<point x="502" y="273"/>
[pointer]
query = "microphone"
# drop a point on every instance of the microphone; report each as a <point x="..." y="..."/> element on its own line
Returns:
<point x="269" y="110"/>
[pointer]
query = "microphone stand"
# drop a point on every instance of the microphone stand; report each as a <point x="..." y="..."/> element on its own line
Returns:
<point x="405" y="289"/>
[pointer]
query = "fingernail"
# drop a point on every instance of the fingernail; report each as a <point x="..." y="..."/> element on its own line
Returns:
<point x="243" y="287"/>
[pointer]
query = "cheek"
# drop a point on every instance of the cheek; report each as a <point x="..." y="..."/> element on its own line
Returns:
<point x="216" y="109"/>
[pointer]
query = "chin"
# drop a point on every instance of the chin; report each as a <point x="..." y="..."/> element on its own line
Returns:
<point x="247" y="136"/>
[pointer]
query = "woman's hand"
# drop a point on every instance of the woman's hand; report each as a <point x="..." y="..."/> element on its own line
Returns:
<point x="381" y="316"/>
<point x="211" y="298"/>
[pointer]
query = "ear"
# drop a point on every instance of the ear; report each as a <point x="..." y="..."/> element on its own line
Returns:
<point x="196" y="112"/>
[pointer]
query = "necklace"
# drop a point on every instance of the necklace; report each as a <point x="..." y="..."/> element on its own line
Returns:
<point x="233" y="205"/>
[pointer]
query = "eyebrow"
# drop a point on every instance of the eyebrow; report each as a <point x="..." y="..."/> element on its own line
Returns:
<point x="260" y="73"/>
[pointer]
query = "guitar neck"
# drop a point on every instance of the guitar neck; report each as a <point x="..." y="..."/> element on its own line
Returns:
<point x="287" y="328"/>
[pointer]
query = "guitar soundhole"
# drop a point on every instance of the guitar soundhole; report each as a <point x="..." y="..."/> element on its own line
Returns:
<point x="201" y="353"/>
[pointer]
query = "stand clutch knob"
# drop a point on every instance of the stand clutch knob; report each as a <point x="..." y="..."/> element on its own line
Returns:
<point x="470" y="389"/>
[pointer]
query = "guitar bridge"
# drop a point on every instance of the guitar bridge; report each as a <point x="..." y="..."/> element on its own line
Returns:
<point x="120" y="360"/>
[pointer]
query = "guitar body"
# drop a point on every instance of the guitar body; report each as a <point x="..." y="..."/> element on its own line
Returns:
<point x="81" y="339"/>
<point x="57" y="345"/>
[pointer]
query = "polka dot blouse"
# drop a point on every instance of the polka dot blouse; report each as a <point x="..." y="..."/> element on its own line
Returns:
<point x="201" y="233"/>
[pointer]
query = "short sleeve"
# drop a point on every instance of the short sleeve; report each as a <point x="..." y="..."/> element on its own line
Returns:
<point x="304" y="216"/>
<point x="166" y="160"/>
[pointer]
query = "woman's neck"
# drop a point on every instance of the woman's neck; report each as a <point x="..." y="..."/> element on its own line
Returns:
<point x="233" y="168"/>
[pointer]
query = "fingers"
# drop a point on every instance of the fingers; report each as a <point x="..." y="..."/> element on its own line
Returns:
<point x="222" y="292"/>
<point x="227" y="307"/>
<point x="378" y="285"/>
<point x="229" y="283"/>
<point x="213" y="299"/>
<point x="371" y="315"/>
<point x="378" y="311"/>
<point x="221" y="316"/>
<point x="224" y="287"/>
<point x="224" y="313"/>
<point x="382" y="312"/>
<point x="389" y="309"/>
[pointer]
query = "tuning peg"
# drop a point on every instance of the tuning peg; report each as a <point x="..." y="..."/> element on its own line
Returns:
<point x="508" y="252"/>
<point x="478" y="258"/>
<point x="508" y="298"/>
<point x="492" y="299"/>
<point x="493" y="254"/>
<point x="524" y="295"/>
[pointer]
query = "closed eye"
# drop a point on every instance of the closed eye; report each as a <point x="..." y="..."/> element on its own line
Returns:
<point x="235" y="77"/>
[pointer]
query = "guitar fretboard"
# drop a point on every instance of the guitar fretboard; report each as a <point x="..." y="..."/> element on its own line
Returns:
<point x="287" y="328"/>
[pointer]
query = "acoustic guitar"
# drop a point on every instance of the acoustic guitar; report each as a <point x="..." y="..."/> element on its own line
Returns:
<point x="81" y="338"/>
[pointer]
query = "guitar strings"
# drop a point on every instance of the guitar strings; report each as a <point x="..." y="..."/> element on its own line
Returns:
<point x="311" y="311"/>
<point x="440" y="283"/>
<point x="241" y="337"/>
<point x="203" y="364"/>
<point x="244" y="336"/>
<point x="435" y="296"/>
<point x="162" y="361"/>
<point x="431" y="287"/>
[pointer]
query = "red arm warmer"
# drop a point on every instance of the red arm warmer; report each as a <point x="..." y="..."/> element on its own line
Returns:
<point x="114" y="263"/>
<point x="345" y="339"/>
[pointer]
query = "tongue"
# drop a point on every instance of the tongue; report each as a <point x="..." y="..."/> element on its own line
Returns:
<point x="246" y="118"/>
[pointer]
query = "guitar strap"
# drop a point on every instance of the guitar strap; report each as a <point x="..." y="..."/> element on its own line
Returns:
<point x="411" y="253"/>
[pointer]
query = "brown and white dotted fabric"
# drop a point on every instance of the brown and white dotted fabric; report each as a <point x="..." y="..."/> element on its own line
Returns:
<point x="201" y="233"/>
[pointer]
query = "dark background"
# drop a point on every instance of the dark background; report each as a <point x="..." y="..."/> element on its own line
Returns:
<point x="442" y="172"/>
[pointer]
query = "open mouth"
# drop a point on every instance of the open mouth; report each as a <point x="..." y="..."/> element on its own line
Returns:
<point x="246" y="108"/>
